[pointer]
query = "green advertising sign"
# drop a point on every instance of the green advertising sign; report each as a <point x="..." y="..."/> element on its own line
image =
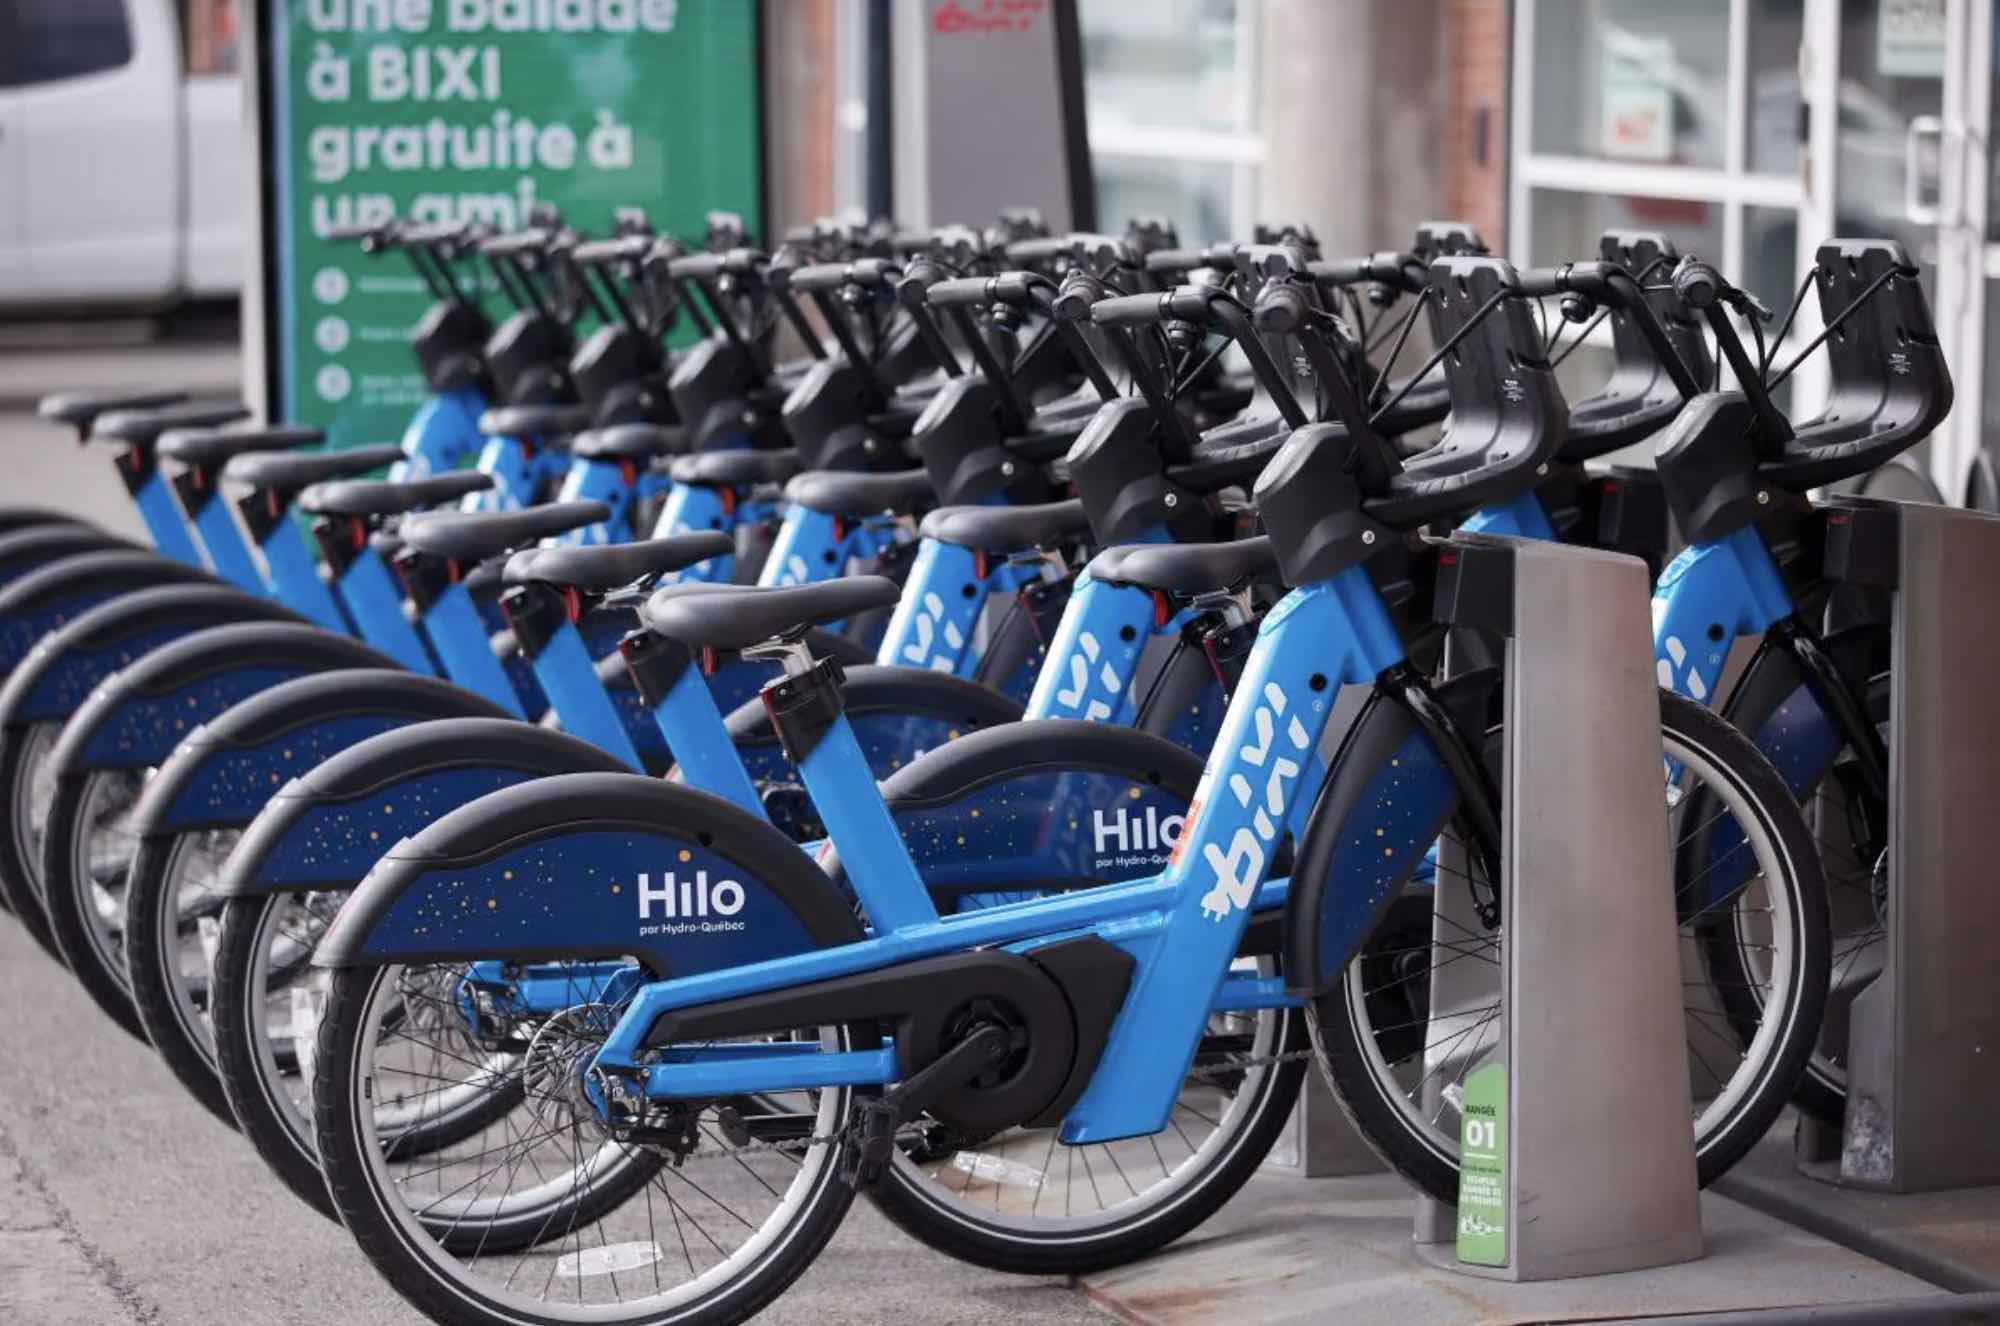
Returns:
<point x="1482" y="1168"/>
<point x="475" y="110"/>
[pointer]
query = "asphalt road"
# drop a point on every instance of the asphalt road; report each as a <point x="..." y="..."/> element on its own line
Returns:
<point x="122" y="1200"/>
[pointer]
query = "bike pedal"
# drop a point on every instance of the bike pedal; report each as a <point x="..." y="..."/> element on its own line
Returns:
<point x="875" y="1121"/>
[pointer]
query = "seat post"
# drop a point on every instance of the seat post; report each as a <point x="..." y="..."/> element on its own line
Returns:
<point x="809" y="713"/>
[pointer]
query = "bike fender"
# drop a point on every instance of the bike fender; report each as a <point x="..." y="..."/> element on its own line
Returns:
<point x="592" y="865"/>
<point x="1048" y="804"/>
<point x="24" y="550"/>
<point x="327" y="826"/>
<point x="59" y="673"/>
<point x="1384" y="801"/>
<point x="137" y="716"/>
<point x="231" y="765"/>
<point x="60" y="592"/>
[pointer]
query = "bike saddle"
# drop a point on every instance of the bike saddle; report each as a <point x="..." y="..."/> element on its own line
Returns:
<point x="1507" y="414"/>
<point x="858" y="493"/>
<point x="740" y="616"/>
<point x="634" y="442"/>
<point x="79" y="409"/>
<point x="540" y="422"/>
<point x="142" y="428"/>
<point x="1186" y="568"/>
<point x="469" y="537"/>
<point x="383" y="497"/>
<point x="1890" y="383"/>
<point x="605" y="567"/>
<point x="289" y="472"/>
<point x="733" y="469"/>
<point x="1006" y="529"/>
<point x="212" y="448"/>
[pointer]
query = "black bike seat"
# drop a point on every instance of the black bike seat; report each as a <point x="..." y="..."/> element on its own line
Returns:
<point x="536" y="421"/>
<point x="209" y="448"/>
<point x="604" y="567"/>
<point x="739" y="616"/>
<point x="640" y="442"/>
<point x="1186" y="568"/>
<point x="732" y="469"/>
<point x="383" y="497"/>
<point x="288" y="472"/>
<point x="142" y="428"/>
<point x="79" y="408"/>
<point x="857" y="493"/>
<point x="1006" y="529"/>
<point x="467" y="537"/>
<point x="1890" y="385"/>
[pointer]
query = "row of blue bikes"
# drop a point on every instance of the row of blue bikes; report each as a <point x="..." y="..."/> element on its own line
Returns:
<point x="963" y="719"/>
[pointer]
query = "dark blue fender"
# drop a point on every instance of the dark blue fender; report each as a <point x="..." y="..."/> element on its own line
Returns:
<point x="577" y="867"/>
<point x="60" y="672"/>
<point x="1386" y="797"/>
<point x="139" y="715"/>
<point x="329" y="825"/>
<point x="23" y="550"/>
<point x="61" y="591"/>
<point x="224" y="773"/>
<point x="1029" y="808"/>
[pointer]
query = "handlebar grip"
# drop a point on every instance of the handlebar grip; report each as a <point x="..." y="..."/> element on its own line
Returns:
<point x="1699" y="285"/>
<point x="1342" y="271"/>
<point x="961" y="290"/>
<point x="819" y="276"/>
<point x="1039" y="249"/>
<point x="625" y="248"/>
<point x="875" y="272"/>
<point x="531" y="240"/>
<point x="1168" y="261"/>
<point x="698" y="266"/>
<point x="348" y="234"/>
<point x="1281" y="309"/>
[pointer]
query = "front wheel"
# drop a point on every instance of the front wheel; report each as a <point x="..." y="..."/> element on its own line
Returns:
<point x="1397" y="1058"/>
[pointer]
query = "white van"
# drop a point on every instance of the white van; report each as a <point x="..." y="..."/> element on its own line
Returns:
<point x="121" y="153"/>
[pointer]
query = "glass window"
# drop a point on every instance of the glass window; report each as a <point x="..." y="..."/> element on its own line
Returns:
<point x="1172" y="112"/>
<point x="210" y="36"/>
<point x="1632" y="80"/>
<point x="56" y="39"/>
<point x="1567" y="225"/>
<point x="1194" y="195"/>
<point x="1164" y="63"/>
<point x="1776" y="29"/>
<point x="1771" y="257"/>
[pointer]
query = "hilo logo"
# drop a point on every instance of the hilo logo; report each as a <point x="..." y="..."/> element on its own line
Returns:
<point x="1239" y="870"/>
<point x="689" y="899"/>
<point x="1151" y="832"/>
<point x="930" y="613"/>
<point x="1079" y="680"/>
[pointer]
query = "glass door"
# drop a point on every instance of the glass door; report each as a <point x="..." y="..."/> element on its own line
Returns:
<point x="1900" y="149"/>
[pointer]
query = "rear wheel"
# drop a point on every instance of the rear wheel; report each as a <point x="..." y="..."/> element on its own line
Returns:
<point x="543" y="1217"/>
<point x="30" y="787"/>
<point x="87" y="852"/>
<point x="1397" y="1050"/>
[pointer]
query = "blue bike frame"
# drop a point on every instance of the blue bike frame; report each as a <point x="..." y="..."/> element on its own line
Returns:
<point x="1182" y="927"/>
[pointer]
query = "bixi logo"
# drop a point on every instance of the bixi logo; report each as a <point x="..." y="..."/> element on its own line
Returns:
<point x="1240" y="870"/>
<point x="927" y="628"/>
<point x="1079" y="680"/>
<point x="689" y="899"/>
<point x="1151" y="832"/>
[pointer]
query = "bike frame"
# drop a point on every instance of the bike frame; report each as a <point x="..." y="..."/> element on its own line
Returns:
<point x="1182" y="927"/>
